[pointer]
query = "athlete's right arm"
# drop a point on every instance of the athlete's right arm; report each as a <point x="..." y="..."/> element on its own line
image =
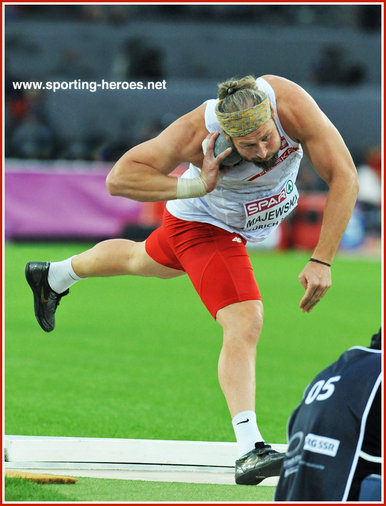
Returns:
<point x="142" y="172"/>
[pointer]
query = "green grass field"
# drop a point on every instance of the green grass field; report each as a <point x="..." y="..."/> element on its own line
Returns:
<point x="92" y="489"/>
<point x="137" y="358"/>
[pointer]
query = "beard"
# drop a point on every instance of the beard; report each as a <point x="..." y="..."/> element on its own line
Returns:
<point x="261" y="164"/>
<point x="266" y="164"/>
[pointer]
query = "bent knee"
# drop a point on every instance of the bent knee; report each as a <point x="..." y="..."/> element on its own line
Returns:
<point x="243" y="320"/>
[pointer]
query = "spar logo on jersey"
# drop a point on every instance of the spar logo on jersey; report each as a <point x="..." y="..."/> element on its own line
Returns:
<point x="269" y="202"/>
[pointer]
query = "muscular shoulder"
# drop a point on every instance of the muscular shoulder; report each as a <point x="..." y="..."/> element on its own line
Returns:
<point x="180" y="142"/>
<point x="296" y="108"/>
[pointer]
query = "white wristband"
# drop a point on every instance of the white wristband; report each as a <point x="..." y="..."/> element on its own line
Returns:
<point x="187" y="188"/>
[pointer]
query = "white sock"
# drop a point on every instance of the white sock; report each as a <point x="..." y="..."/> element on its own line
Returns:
<point x="246" y="431"/>
<point x="61" y="275"/>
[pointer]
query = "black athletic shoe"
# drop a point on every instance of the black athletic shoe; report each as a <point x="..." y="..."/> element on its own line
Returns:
<point x="45" y="299"/>
<point x="258" y="464"/>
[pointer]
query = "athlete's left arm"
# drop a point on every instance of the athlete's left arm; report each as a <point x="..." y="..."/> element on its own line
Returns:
<point x="303" y="120"/>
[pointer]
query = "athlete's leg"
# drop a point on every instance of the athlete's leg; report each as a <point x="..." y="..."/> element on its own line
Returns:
<point x="50" y="281"/>
<point x="242" y="323"/>
<point x="219" y="267"/>
<point x="120" y="256"/>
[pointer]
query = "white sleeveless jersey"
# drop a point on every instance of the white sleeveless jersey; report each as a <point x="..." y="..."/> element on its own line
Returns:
<point x="247" y="200"/>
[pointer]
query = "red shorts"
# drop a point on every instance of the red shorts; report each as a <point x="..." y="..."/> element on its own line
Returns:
<point x="215" y="260"/>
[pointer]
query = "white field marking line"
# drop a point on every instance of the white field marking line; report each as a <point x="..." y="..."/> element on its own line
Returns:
<point x="115" y="467"/>
<point x="131" y="459"/>
<point x="165" y="473"/>
<point x="116" y="450"/>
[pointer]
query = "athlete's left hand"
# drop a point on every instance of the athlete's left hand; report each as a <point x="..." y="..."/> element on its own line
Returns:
<point x="316" y="280"/>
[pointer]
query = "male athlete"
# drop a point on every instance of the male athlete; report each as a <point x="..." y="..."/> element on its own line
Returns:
<point x="228" y="196"/>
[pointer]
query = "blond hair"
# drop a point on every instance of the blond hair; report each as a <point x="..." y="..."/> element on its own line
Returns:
<point x="237" y="94"/>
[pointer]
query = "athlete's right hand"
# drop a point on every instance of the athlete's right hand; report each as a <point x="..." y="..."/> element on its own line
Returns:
<point x="211" y="163"/>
